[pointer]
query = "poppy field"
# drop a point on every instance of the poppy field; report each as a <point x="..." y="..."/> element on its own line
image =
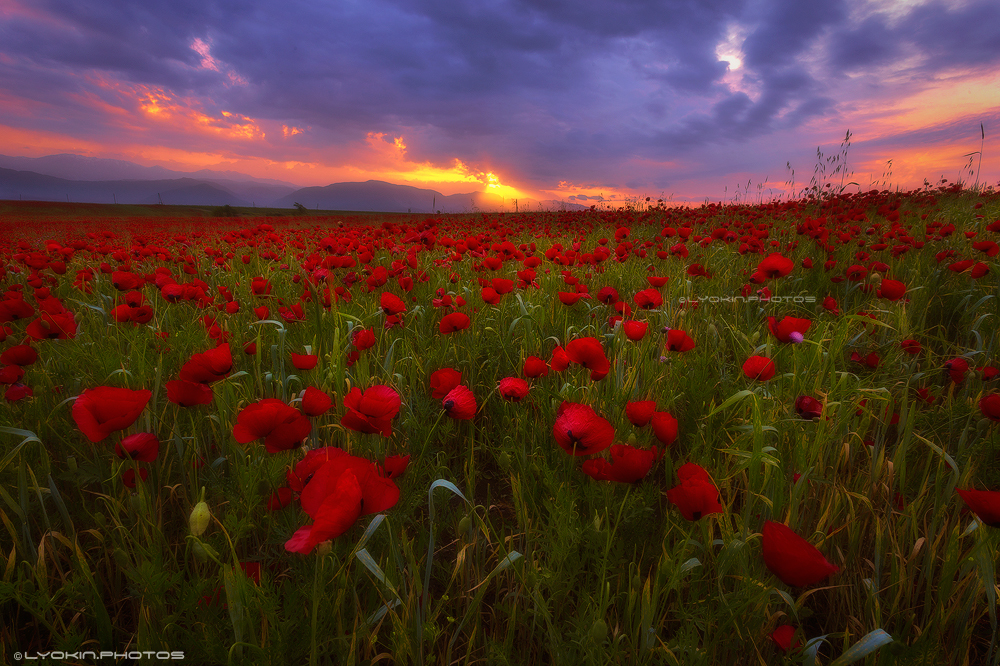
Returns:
<point x="726" y="434"/>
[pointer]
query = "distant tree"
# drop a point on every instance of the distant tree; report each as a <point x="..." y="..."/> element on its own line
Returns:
<point x="225" y="211"/>
<point x="300" y="209"/>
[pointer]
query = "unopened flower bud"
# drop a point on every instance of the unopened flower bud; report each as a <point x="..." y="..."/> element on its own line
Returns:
<point x="200" y="516"/>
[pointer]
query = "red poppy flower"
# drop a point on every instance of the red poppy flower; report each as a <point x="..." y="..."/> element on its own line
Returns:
<point x="315" y="402"/>
<point x="911" y="346"/>
<point x="608" y="295"/>
<point x="789" y="329"/>
<point x="628" y="464"/>
<point x="443" y="381"/>
<point x="128" y="477"/>
<point x="640" y="413"/>
<point x="210" y="366"/>
<point x="363" y="338"/>
<point x="872" y="360"/>
<point x="391" y="304"/>
<point x="830" y="305"/>
<point x="337" y="514"/>
<point x="957" y="367"/>
<point x="989" y="405"/>
<point x="808" y="407"/>
<point x="773" y="266"/>
<point x="490" y="296"/>
<point x="782" y="637"/>
<point x="791" y="558"/>
<point x="371" y="411"/>
<point x="648" y="299"/>
<point x="104" y="409"/>
<point x="696" y="496"/>
<point x="279" y="499"/>
<point x="282" y="426"/>
<point x="21" y="355"/>
<point x="580" y="431"/>
<point x="304" y="361"/>
<point x="459" y="403"/>
<point x="589" y="353"/>
<point x="17" y="392"/>
<point x="635" y="330"/>
<point x="394" y="466"/>
<point x="535" y="367"/>
<point x="454" y="322"/>
<point x="679" y="341"/>
<point x="513" y="389"/>
<point x="142" y="446"/>
<point x="664" y="427"/>
<point x="188" y="394"/>
<point x="570" y="298"/>
<point x="984" y="503"/>
<point x="53" y="326"/>
<point x="560" y="361"/>
<point x="891" y="290"/>
<point x="10" y="374"/>
<point x="759" y="367"/>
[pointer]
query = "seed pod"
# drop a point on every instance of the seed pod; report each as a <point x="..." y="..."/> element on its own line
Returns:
<point x="599" y="632"/>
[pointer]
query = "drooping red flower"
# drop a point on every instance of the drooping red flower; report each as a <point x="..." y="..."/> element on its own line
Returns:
<point x="142" y="446"/>
<point x="304" y="361"/>
<point x="459" y="403"/>
<point x="363" y="338"/>
<point x="281" y="426"/>
<point x="580" y="431"/>
<point x="634" y="330"/>
<point x="791" y="558"/>
<point x="789" y="329"/>
<point x="911" y="346"/>
<point x="984" y="503"/>
<point x="208" y="367"/>
<point x="454" y="322"/>
<point x="989" y="405"/>
<point x="315" y="402"/>
<point x="830" y="305"/>
<point x="628" y="464"/>
<point x="664" y="427"/>
<point x="639" y="413"/>
<point x="371" y="411"/>
<point x="808" y="407"/>
<point x="104" y="409"/>
<point x="679" y="341"/>
<point x="443" y="381"/>
<point x="589" y="353"/>
<point x="513" y="389"/>
<point x="696" y="496"/>
<point x="535" y="367"/>
<point x="188" y="394"/>
<point x="760" y="368"/>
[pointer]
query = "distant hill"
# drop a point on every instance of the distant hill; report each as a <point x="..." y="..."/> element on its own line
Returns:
<point x="27" y="185"/>
<point x="83" y="179"/>
<point x="261" y="191"/>
<point x="380" y="196"/>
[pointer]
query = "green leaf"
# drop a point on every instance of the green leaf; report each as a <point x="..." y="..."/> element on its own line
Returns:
<point x="871" y="642"/>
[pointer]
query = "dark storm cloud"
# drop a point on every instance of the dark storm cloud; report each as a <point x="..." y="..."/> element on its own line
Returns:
<point x="553" y="89"/>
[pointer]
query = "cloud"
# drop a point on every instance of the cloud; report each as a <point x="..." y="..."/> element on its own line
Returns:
<point x="629" y="95"/>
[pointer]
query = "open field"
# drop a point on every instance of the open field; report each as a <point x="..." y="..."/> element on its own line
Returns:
<point x="715" y="435"/>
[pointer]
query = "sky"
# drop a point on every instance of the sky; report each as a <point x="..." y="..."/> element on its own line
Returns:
<point x="588" y="101"/>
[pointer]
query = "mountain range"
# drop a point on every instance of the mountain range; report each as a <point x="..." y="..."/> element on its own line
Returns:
<point x="77" y="178"/>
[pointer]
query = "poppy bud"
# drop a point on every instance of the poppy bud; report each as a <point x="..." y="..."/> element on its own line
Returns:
<point x="203" y="551"/>
<point x="599" y="632"/>
<point x="200" y="516"/>
<point x="323" y="548"/>
<point x="504" y="459"/>
<point x="464" y="524"/>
